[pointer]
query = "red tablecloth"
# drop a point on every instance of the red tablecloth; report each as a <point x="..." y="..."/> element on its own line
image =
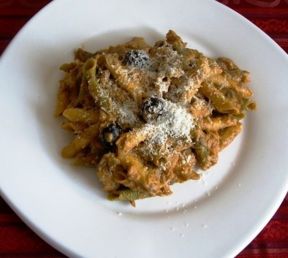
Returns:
<point x="17" y="240"/>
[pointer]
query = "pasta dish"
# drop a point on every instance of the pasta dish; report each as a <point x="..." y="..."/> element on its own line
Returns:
<point x="147" y="117"/>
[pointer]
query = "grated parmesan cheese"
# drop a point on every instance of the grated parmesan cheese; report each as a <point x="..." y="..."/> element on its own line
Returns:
<point x="175" y="123"/>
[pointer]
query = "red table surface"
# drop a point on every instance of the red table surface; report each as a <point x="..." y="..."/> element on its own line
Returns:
<point x="17" y="240"/>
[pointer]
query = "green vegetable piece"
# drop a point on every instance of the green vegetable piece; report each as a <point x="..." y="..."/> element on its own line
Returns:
<point x="202" y="154"/>
<point x="94" y="87"/>
<point x="132" y="195"/>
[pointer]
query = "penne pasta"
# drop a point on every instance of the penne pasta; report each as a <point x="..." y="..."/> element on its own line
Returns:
<point x="146" y="117"/>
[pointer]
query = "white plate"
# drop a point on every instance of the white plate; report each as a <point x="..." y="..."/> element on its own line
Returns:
<point x="65" y="205"/>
